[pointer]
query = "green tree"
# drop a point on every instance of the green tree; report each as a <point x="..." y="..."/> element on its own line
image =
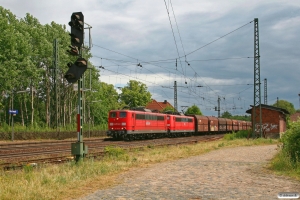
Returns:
<point x="109" y="101"/>
<point x="193" y="110"/>
<point x="168" y="108"/>
<point x="27" y="58"/>
<point x="135" y="94"/>
<point x="242" y="117"/>
<point x="285" y="105"/>
<point x="227" y="115"/>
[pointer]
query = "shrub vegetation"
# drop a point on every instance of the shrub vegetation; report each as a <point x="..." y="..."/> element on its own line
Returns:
<point x="287" y="161"/>
<point x="236" y="135"/>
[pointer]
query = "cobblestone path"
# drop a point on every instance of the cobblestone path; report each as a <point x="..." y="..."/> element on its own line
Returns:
<point x="228" y="173"/>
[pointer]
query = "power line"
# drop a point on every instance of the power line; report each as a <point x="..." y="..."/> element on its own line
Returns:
<point x="218" y="39"/>
<point x="177" y="27"/>
<point x="173" y="35"/>
<point x="206" y="85"/>
<point x="114" y="51"/>
<point x="179" y="35"/>
<point x="196" y="97"/>
<point x="186" y="54"/>
<point x="173" y="59"/>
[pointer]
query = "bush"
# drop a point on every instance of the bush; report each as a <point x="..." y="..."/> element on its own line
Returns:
<point x="116" y="152"/>
<point x="237" y="135"/>
<point x="291" y="142"/>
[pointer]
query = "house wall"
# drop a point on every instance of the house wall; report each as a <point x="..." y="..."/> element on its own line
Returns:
<point x="273" y="122"/>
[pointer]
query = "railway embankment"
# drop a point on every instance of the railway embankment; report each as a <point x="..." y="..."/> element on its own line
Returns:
<point x="167" y="172"/>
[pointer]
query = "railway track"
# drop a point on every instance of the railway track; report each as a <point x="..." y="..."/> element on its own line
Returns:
<point x="18" y="154"/>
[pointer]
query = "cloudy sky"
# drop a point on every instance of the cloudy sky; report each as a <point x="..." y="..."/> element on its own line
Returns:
<point x="212" y="41"/>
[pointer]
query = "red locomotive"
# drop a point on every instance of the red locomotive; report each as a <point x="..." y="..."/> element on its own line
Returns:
<point x="134" y="124"/>
<point x="144" y="124"/>
<point x="180" y="125"/>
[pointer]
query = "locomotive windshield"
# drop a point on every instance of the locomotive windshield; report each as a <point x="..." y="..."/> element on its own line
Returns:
<point x="113" y="114"/>
<point x="122" y="114"/>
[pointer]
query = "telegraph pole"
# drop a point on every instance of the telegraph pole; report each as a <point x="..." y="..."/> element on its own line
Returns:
<point x="218" y="108"/>
<point x="265" y="92"/>
<point x="219" y="99"/>
<point x="257" y="93"/>
<point x="175" y="96"/>
<point x="299" y="100"/>
<point x="55" y="66"/>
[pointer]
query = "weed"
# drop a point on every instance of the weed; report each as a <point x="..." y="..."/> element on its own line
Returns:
<point x="28" y="168"/>
<point x="236" y="135"/>
<point x="61" y="180"/>
<point x="150" y="146"/>
<point x="221" y="145"/>
<point x="270" y="141"/>
<point x="112" y="151"/>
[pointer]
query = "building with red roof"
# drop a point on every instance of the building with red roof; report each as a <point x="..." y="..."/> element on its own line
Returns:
<point x="158" y="106"/>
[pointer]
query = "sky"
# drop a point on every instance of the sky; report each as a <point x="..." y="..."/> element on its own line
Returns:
<point x="212" y="43"/>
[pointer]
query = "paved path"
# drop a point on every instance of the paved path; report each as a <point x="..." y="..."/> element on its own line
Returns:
<point x="229" y="173"/>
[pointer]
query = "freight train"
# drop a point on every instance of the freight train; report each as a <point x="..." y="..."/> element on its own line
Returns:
<point x="145" y="124"/>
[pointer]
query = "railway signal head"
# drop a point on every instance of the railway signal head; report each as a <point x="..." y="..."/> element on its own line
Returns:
<point x="73" y="50"/>
<point x="76" y="70"/>
<point x="77" y="29"/>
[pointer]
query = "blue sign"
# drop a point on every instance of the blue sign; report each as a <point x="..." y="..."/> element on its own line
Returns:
<point x="13" y="111"/>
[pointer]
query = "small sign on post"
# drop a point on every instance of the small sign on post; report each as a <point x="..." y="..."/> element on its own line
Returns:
<point x="13" y="112"/>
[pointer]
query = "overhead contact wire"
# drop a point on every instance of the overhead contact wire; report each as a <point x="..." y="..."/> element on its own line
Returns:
<point x="174" y="37"/>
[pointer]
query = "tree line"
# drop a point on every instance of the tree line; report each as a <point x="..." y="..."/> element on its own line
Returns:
<point x="31" y="83"/>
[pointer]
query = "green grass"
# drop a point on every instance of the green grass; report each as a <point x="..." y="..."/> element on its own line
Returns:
<point x="236" y="135"/>
<point x="5" y="128"/>
<point x="281" y="164"/>
<point x="70" y="180"/>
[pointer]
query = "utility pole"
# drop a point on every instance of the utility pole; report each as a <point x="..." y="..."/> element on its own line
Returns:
<point x="265" y="92"/>
<point x="218" y="108"/>
<point x="299" y="100"/>
<point x="55" y="66"/>
<point x="12" y="116"/>
<point x="175" y="96"/>
<point x="257" y="93"/>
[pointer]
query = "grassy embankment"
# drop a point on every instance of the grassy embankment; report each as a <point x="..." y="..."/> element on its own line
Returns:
<point x="44" y="133"/>
<point x="70" y="180"/>
<point x="287" y="161"/>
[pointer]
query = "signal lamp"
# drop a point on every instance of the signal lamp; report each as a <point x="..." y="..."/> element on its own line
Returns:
<point x="73" y="51"/>
<point x="76" y="70"/>
<point x="77" y="29"/>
